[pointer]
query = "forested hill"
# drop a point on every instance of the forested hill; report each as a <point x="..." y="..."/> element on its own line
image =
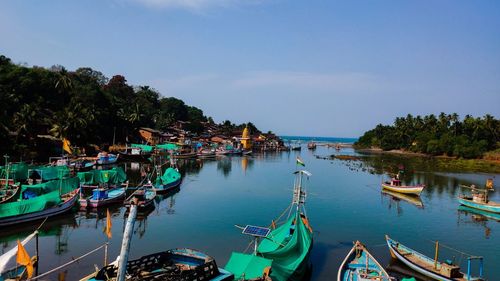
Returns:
<point x="83" y="106"/>
<point x="446" y="134"/>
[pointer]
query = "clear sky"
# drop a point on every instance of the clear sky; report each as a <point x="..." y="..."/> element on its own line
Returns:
<point x="318" y="68"/>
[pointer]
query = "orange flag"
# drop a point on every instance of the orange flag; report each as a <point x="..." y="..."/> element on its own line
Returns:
<point x="24" y="259"/>
<point x="108" y="224"/>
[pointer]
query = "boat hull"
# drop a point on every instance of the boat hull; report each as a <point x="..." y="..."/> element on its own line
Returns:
<point x="404" y="189"/>
<point x="166" y="188"/>
<point x="53" y="211"/>
<point x="92" y="203"/>
<point x="480" y="206"/>
<point x="420" y="269"/>
<point x="352" y="267"/>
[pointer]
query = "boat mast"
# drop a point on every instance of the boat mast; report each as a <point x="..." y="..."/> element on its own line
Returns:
<point x="299" y="193"/>
<point x="6" y="170"/>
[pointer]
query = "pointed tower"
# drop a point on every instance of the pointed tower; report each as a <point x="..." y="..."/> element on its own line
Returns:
<point x="245" y="139"/>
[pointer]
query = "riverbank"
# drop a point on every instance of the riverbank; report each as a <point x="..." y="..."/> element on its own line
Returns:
<point x="444" y="163"/>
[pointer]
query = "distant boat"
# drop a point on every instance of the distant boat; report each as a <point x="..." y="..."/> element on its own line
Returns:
<point x="104" y="158"/>
<point x="247" y="152"/>
<point x="103" y="197"/>
<point x="136" y="153"/>
<point x="177" y="264"/>
<point x="359" y="264"/>
<point x="432" y="268"/>
<point x="145" y="198"/>
<point x="396" y="185"/>
<point x="280" y="253"/>
<point x="296" y="147"/>
<point x="479" y="200"/>
<point x="311" y="145"/>
<point x="206" y="153"/>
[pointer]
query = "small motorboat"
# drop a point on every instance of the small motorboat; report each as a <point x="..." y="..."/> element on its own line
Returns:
<point x="311" y="145"/>
<point x="104" y="158"/>
<point x="359" y="264"/>
<point x="396" y="185"/>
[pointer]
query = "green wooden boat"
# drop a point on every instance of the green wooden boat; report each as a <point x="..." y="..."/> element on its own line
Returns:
<point x="282" y="253"/>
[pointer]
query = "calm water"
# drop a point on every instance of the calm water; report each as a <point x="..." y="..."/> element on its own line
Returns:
<point x="344" y="204"/>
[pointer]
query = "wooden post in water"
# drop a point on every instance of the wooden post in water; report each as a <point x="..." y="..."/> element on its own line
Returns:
<point x="37" y="256"/>
<point x="127" y="237"/>
<point x="436" y="255"/>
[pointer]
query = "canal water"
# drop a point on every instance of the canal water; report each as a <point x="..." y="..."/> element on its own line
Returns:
<point x="344" y="204"/>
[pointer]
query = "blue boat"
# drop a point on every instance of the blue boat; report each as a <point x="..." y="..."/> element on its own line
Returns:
<point x="106" y="159"/>
<point x="480" y="204"/>
<point x="488" y="215"/>
<point x="359" y="265"/>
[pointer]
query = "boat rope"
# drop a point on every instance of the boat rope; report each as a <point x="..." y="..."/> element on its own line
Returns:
<point x="281" y="215"/>
<point x="68" y="263"/>
<point x="453" y="249"/>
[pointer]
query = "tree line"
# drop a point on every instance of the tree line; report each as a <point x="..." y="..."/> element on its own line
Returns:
<point x="445" y="134"/>
<point x="83" y="106"/>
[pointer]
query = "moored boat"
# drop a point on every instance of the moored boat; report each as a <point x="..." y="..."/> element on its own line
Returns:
<point x="397" y="186"/>
<point x="479" y="200"/>
<point x="432" y="268"/>
<point x="176" y="264"/>
<point x="282" y="252"/>
<point x="170" y="179"/>
<point x="145" y="198"/>
<point x="103" y="197"/>
<point x="40" y="201"/>
<point x="104" y="158"/>
<point x="311" y="145"/>
<point x="111" y="178"/>
<point x="359" y="264"/>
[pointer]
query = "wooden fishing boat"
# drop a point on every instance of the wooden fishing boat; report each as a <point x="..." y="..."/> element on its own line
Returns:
<point x="296" y="147"/>
<point x="360" y="265"/>
<point x="18" y="272"/>
<point x="103" y="197"/>
<point x="145" y="198"/>
<point x="432" y="268"/>
<point x="9" y="193"/>
<point x="281" y="253"/>
<point x="177" y="264"/>
<point x="206" y="153"/>
<point x="412" y="199"/>
<point x="67" y="201"/>
<point x="479" y="200"/>
<point x="136" y="153"/>
<point x="396" y="185"/>
<point x="111" y="178"/>
<point x="247" y="152"/>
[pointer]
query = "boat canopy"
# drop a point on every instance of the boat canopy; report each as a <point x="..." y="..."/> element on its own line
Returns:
<point x="143" y="147"/>
<point x="169" y="176"/>
<point x="38" y="197"/>
<point x="18" y="171"/>
<point x="286" y="249"/>
<point x="48" y="173"/>
<point x="167" y="146"/>
<point x="112" y="176"/>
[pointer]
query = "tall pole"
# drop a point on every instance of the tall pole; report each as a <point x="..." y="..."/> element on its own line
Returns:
<point x="127" y="237"/>
<point x="6" y="170"/>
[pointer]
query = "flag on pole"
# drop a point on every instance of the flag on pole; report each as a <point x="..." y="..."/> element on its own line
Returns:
<point x="24" y="259"/>
<point x="67" y="146"/>
<point x="108" y="224"/>
<point x="300" y="162"/>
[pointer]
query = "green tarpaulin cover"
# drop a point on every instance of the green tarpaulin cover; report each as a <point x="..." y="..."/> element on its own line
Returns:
<point x="47" y="173"/>
<point x="170" y="175"/>
<point x="44" y="195"/>
<point x="250" y="265"/>
<point x="18" y="171"/>
<point x="167" y="146"/>
<point x="286" y="251"/>
<point x="95" y="177"/>
<point x="144" y="147"/>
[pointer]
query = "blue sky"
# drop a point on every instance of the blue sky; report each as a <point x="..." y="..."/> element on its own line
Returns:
<point x="320" y="68"/>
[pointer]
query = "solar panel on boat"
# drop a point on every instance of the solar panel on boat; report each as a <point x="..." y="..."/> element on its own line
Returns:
<point x="256" y="231"/>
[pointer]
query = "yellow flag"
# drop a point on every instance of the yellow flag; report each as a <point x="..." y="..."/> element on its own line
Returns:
<point x="67" y="146"/>
<point x="108" y="224"/>
<point x="24" y="259"/>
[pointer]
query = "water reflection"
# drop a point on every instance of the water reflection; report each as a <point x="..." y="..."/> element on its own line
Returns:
<point x="225" y="165"/>
<point x="477" y="217"/>
<point x="395" y="197"/>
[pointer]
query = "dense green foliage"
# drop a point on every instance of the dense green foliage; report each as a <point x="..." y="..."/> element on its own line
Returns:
<point x="442" y="135"/>
<point x="83" y="106"/>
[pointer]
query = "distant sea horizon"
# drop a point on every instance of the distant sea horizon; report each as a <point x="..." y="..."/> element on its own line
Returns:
<point x="318" y="139"/>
